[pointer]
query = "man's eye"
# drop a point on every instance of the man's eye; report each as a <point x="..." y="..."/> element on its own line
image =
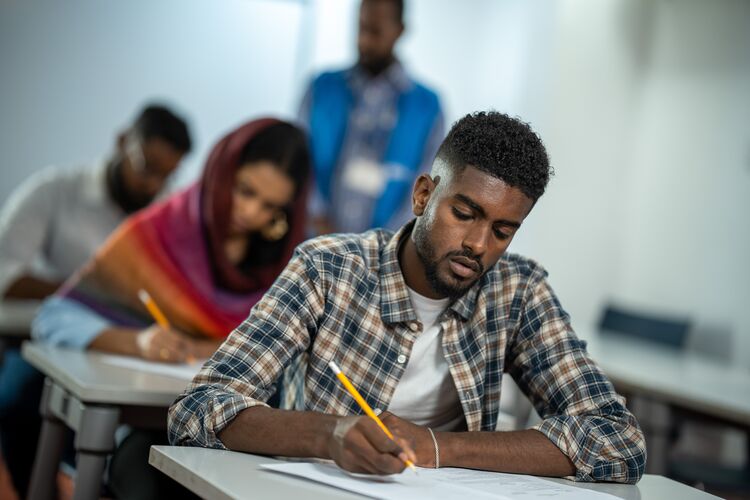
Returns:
<point x="461" y="215"/>
<point x="501" y="235"/>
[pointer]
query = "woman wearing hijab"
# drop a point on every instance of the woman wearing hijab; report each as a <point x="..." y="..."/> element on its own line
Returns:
<point x="205" y="255"/>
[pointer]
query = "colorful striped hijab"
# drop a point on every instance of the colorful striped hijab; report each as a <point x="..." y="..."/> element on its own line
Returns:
<point x="174" y="251"/>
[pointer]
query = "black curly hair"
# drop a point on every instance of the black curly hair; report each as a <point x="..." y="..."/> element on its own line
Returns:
<point x="504" y="147"/>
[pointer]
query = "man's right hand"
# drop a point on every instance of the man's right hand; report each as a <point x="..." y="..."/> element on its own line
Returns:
<point x="359" y="445"/>
<point x="158" y="344"/>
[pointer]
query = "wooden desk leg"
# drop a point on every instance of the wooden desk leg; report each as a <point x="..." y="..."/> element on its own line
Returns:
<point x="95" y="440"/>
<point x="48" y="451"/>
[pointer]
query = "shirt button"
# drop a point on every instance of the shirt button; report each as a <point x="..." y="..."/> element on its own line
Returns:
<point x="401" y="359"/>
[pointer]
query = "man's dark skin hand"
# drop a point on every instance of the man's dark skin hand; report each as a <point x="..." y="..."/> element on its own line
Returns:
<point x="356" y="444"/>
<point x="359" y="445"/>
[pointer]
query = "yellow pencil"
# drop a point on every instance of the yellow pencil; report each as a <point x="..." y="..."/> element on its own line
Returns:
<point x="363" y="404"/>
<point x="158" y="316"/>
<point x="156" y="313"/>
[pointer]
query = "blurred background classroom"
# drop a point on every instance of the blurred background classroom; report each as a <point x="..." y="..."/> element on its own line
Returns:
<point x="642" y="104"/>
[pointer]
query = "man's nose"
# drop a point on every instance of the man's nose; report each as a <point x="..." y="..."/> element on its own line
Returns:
<point x="475" y="239"/>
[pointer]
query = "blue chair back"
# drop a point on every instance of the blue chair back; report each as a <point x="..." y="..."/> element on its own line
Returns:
<point x="666" y="331"/>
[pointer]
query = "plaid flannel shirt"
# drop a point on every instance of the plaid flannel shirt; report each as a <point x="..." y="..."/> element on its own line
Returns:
<point x="343" y="298"/>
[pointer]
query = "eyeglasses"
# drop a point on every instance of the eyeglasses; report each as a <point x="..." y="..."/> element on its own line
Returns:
<point x="147" y="171"/>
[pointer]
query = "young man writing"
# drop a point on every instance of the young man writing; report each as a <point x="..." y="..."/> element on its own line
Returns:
<point x="424" y="323"/>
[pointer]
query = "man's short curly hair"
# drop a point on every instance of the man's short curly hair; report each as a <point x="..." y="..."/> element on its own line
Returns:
<point x="504" y="147"/>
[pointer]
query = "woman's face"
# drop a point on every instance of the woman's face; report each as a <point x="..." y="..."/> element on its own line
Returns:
<point x="261" y="190"/>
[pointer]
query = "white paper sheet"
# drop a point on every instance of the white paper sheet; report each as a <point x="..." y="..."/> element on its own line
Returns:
<point x="185" y="371"/>
<point x="514" y="485"/>
<point x="396" y="487"/>
<point x="440" y="484"/>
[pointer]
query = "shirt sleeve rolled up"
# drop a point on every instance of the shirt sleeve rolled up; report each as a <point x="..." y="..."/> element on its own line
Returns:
<point x="581" y="412"/>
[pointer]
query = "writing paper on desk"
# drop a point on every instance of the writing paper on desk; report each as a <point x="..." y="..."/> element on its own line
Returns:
<point x="185" y="371"/>
<point x="398" y="486"/>
<point x="439" y="484"/>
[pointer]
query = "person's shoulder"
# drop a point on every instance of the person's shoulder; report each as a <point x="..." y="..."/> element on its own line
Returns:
<point x="425" y="95"/>
<point x="49" y="175"/>
<point x="424" y="89"/>
<point x="344" y="244"/>
<point x="513" y="267"/>
<point x="330" y="75"/>
<point x="49" y="180"/>
<point x="420" y="86"/>
<point x="67" y="177"/>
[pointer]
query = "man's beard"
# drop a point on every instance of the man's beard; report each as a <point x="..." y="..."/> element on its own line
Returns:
<point x="128" y="202"/>
<point x="375" y="66"/>
<point x="426" y="254"/>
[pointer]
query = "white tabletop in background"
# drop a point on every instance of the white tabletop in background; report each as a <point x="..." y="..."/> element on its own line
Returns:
<point x="679" y="377"/>
<point x="89" y="379"/>
<point x="16" y="316"/>
<point x="218" y="474"/>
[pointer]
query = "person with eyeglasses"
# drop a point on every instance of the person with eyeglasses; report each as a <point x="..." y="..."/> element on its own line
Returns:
<point x="50" y="225"/>
<point x="205" y="255"/>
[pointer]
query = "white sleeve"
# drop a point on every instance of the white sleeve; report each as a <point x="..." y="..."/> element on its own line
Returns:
<point x="25" y="221"/>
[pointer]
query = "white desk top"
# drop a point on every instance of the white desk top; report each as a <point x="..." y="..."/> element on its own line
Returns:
<point x="16" y="317"/>
<point x="677" y="377"/>
<point x="217" y="474"/>
<point x="91" y="380"/>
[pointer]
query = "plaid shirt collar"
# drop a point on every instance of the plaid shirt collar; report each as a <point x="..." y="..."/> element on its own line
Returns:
<point x="395" y="304"/>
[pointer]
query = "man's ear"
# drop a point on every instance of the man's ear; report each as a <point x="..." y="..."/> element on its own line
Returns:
<point x="424" y="187"/>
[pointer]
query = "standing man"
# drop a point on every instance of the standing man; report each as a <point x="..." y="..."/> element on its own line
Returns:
<point x="372" y="128"/>
<point x="425" y="322"/>
<point x="50" y="226"/>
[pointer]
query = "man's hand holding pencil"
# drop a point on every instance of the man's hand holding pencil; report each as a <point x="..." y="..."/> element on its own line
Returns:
<point x="365" y="444"/>
<point x="359" y="445"/>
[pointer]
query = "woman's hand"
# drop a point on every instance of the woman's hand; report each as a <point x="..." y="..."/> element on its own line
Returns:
<point x="158" y="344"/>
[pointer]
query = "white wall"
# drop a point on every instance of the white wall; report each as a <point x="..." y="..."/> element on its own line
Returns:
<point x="588" y="109"/>
<point x="685" y="229"/>
<point x="647" y="128"/>
<point x="74" y="73"/>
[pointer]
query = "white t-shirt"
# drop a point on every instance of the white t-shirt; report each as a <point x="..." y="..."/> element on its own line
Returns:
<point x="54" y="222"/>
<point x="426" y="394"/>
